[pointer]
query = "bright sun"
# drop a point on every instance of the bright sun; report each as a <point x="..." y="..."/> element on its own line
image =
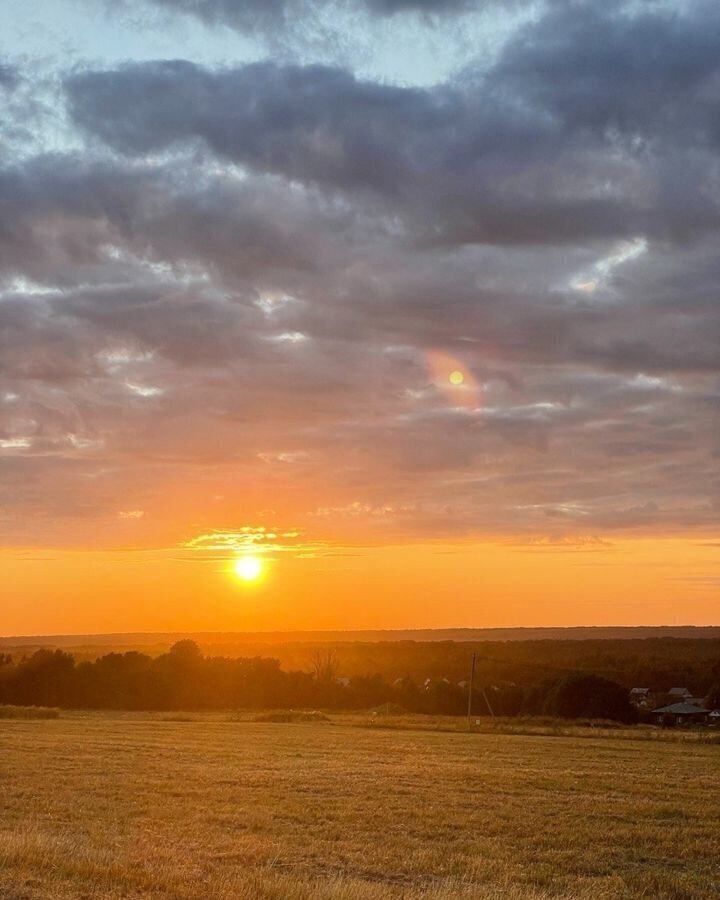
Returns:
<point x="248" y="568"/>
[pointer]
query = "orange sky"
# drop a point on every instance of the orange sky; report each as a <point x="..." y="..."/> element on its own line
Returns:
<point x="623" y="582"/>
<point x="439" y="313"/>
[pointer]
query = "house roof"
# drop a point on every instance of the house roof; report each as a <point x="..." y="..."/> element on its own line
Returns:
<point x="679" y="691"/>
<point x="681" y="709"/>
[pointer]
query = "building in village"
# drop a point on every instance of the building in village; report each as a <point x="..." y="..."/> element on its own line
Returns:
<point x="680" y="714"/>
<point x="640" y="697"/>
<point x="679" y="695"/>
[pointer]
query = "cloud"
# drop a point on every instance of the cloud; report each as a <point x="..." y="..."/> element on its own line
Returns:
<point x="560" y="140"/>
<point x="9" y="77"/>
<point x="237" y="295"/>
<point x="258" y="539"/>
<point x="264" y="15"/>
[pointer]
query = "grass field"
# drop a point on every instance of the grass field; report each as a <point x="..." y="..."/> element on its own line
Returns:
<point x="110" y="806"/>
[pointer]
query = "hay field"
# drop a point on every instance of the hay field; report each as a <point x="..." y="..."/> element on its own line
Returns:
<point x="111" y="806"/>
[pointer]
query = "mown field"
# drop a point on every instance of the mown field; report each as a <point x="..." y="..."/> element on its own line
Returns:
<point x="158" y="806"/>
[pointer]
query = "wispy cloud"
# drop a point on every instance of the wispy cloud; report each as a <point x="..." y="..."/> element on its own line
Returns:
<point x="257" y="539"/>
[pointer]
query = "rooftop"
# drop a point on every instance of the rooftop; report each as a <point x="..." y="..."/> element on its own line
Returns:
<point x="680" y="709"/>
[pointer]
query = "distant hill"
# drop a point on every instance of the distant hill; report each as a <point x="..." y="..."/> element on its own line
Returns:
<point x="161" y="640"/>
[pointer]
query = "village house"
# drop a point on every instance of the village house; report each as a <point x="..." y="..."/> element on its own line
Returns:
<point x="680" y="714"/>
<point x="679" y="694"/>
<point x="640" y="697"/>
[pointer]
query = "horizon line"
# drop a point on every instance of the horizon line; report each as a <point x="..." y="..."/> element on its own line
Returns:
<point x="350" y="631"/>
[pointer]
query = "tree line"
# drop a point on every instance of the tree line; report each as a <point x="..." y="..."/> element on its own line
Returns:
<point x="185" y="679"/>
<point x="656" y="663"/>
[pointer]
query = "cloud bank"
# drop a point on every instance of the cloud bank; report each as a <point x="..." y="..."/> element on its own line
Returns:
<point x="232" y="296"/>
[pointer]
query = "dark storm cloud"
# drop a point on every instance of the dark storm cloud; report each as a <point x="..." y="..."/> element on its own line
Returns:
<point x="245" y="275"/>
<point x="313" y="122"/>
<point x="445" y="159"/>
<point x="588" y="126"/>
<point x="64" y="217"/>
<point x="602" y="70"/>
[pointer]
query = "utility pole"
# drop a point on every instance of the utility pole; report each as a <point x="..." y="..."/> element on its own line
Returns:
<point x="488" y="702"/>
<point x="470" y="689"/>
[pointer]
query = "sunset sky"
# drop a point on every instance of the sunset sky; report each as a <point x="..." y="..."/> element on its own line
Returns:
<point x="415" y="302"/>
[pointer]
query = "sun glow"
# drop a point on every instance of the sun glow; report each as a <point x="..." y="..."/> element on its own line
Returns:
<point x="248" y="568"/>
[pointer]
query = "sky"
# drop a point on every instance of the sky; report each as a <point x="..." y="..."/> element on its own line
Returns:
<point x="415" y="301"/>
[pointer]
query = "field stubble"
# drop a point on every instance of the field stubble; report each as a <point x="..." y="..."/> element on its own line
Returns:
<point x="111" y="806"/>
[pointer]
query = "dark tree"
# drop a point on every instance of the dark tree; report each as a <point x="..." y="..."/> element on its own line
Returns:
<point x="712" y="701"/>
<point x="47" y="678"/>
<point x="325" y="665"/>
<point x="581" y="695"/>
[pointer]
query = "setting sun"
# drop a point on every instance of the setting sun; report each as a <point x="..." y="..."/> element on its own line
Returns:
<point x="248" y="568"/>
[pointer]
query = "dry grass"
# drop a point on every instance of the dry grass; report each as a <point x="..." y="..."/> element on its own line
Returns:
<point x="110" y="806"/>
<point x="298" y="716"/>
<point x="534" y="725"/>
<point x="28" y="712"/>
